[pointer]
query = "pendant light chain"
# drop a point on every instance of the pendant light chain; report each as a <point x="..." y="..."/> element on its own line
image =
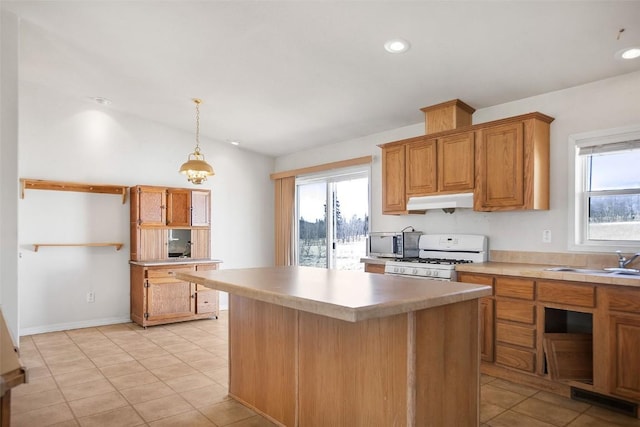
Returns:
<point x="197" y="101"/>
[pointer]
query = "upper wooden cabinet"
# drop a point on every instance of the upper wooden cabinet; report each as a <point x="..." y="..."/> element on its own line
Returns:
<point x="505" y="163"/>
<point x="442" y="165"/>
<point x="456" y="157"/>
<point x="170" y="207"/>
<point x="422" y="167"/>
<point x="169" y="222"/>
<point x="200" y="208"/>
<point x="512" y="164"/>
<point x="178" y="207"/>
<point x="149" y="205"/>
<point x="393" y="180"/>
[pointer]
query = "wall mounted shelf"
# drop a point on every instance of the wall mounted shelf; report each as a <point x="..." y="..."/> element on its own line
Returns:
<point x="36" y="246"/>
<point x="42" y="184"/>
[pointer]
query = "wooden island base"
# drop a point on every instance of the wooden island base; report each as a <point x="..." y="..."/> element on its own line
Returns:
<point x="318" y="347"/>
<point x="419" y="368"/>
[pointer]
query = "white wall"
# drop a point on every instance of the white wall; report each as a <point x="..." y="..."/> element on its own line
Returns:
<point x="9" y="170"/>
<point x="604" y="104"/>
<point x="77" y="140"/>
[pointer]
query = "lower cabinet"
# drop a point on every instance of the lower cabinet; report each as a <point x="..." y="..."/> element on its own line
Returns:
<point x="623" y="314"/>
<point x="518" y="321"/>
<point x="486" y="315"/>
<point x="157" y="297"/>
<point x="625" y="362"/>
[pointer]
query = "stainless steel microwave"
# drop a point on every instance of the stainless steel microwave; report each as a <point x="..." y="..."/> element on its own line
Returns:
<point x="403" y="244"/>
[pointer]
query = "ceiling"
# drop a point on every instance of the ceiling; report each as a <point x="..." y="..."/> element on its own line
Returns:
<point x="285" y="76"/>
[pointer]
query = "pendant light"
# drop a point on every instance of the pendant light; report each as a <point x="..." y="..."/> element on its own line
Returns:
<point x="196" y="168"/>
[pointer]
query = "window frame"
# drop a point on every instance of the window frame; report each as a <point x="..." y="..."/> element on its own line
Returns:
<point x="578" y="194"/>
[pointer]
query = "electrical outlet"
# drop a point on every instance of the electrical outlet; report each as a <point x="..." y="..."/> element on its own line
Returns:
<point x="91" y="296"/>
<point x="546" y="236"/>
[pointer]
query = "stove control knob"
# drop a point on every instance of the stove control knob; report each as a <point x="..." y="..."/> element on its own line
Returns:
<point x="396" y="269"/>
<point x="427" y="273"/>
<point x="415" y="272"/>
<point x="435" y="273"/>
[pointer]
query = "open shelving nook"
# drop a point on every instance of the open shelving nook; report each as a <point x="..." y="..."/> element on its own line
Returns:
<point x="42" y="184"/>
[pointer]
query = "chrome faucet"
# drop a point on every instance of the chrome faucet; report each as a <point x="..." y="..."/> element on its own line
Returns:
<point x="623" y="261"/>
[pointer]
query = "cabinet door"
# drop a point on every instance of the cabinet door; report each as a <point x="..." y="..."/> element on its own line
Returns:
<point x="200" y="244"/>
<point x="421" y="161"/>
<point x="393" y="180"/>
<point x="487" y="320"/>
<point x="501" y="167"/>
<point x="152" y="206"/>
<point x="178" y="207"/>
<point x="200" y="208"/>
<point x="153" y="244"/>
<point x="486" y="329"/>
<point x="624" y="333"/>
<point x="169" y="298"/>
<point x="456" y="160"/>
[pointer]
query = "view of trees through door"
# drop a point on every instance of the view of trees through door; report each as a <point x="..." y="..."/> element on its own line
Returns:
<point x="332" y="220"/>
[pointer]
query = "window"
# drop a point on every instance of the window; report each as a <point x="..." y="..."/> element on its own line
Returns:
<point x="332" y="218"/>
<point x="607" y="188"/>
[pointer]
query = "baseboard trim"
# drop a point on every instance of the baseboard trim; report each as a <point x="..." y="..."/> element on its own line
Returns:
<point x="73" y="325"/>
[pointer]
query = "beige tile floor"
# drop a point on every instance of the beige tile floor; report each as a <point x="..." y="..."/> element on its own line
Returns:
<point x="176" y="375"/>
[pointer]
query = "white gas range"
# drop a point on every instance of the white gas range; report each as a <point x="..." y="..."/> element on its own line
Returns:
<point x="439" y="255"/>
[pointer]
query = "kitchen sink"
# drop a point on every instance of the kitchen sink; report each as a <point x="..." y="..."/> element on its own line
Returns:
<point x="628" y="271"/>
<point x="614" y="270"/>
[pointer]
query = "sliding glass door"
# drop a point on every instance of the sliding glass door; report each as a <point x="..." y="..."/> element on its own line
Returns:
<point x="332" y="212"/>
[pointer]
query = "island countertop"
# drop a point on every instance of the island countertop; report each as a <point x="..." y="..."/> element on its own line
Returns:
<point x="345" y="295"/>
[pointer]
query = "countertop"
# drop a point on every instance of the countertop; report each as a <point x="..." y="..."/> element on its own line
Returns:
<point x="346" y="295"/>
<point x="174" y="261"/>
<point x="539" y="271"/>
<point x="536" y="271"/>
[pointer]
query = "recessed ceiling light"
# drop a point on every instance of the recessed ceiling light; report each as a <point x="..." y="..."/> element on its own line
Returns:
<point x="397" y="46"/>
<point x="102" y="101"/>
<point x="630" y="53"/>
<point x="234" y="142"/>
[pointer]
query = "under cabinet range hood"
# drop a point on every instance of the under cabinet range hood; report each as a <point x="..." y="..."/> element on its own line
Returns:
<point x="448" y="202"/>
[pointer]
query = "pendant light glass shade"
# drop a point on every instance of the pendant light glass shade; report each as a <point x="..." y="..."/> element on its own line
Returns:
<point x="196" y="168"/>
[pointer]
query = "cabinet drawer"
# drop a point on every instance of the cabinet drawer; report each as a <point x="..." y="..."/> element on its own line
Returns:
<point x="477" y="279"/>
<point x="374" y="268"/>
<point x="515" y="358"/>
<point x="566" y="293"/>
<point x="627" y="300"/>
<point x="206" y="301"/>
<point x="167" y="271"/>
<point x="206" y="267"/>
<point x="516" y="311"/>
<point x="515" y="288"/>
<point x="517" y="335"/>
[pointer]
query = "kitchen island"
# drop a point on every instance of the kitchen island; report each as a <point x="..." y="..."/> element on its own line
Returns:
<point x="319" y="347"/>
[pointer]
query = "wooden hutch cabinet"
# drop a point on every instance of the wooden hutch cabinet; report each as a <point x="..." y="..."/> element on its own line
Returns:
<point x="170" y="232"/>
